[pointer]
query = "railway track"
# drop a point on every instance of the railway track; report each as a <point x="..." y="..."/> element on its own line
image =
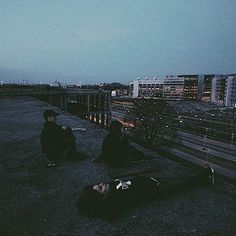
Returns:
<point x="219" y="161"/>
<point x="209" y="145"/>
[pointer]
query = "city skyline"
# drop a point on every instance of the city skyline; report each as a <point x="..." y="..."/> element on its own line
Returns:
<point x="109" y="41"/>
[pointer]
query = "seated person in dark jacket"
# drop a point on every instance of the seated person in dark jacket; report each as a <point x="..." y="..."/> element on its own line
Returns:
<point x="109" y="200"/>
<point x="116" y="149"/>
<point x="57" y="141"/>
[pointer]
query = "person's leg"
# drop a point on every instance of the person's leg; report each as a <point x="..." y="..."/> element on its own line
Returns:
<point x="186" y="183"/>
<point x="135" y="153"/>
<point x="69" y="138"/>
<point x="70" y="146"/>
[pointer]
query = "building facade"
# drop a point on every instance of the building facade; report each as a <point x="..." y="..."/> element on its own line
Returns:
<point x="207" y="87"/>
<point x="191" y="87"/>
<point x="169" y="88"/>
<point x="230" y="95"/>
<point x="223" y="90"/>
<point x="147" y="88"/>
<point x="173" y="88"/>
<point x="220" y="89"/>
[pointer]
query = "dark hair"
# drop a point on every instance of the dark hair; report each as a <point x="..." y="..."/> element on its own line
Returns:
<point x="115" y="125"/>
<point x="48" y="113"/>
<point x="90" y="202"/>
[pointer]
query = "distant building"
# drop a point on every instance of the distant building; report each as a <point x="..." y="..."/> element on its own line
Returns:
<point x="170" y="88"/>
<point x="193" y="87"/>
<point x="73" y="87"/>
<point x="218" y="89"/>
<point x="173" y="88"/>
<point x="113" y="93"/>
<point x="223" y="90"/>
<point x="230" y="97"/>
<point x="207" y="87"/>
<point x="197" y="87"/>
<point x="120" y="93"/>
<point x="55" y="84"/>
<point x="200" y="86"/>
<point x="147" y="88"/>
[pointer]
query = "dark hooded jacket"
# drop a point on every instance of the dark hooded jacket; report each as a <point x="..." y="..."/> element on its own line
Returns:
<point x="52" y="140"/>
<point x="115" y="150"/>
<point x="91" y="203"/>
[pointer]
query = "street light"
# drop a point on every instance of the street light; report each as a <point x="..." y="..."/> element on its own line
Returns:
<point x="232" y="134"/>
<point x="205" y="147"/>
<point x="204" y="139"/>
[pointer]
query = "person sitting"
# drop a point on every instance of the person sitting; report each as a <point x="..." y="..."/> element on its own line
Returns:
<point x="109" y="200"/>
<point x="57" y="141"/>
<point x="116" y="150"/>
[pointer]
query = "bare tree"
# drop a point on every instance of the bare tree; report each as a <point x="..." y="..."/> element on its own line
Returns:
<point x="153" y="118"/>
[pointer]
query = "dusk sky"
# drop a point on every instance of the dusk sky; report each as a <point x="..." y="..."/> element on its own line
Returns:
<point x="106" y="41"/>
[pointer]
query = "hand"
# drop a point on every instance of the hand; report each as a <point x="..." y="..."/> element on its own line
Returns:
<point x="64" y="127"/>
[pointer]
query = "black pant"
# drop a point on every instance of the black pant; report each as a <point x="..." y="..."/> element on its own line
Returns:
<point x="122" y="157"/>
<point x="148" y="189"/>
<point x="179" y="185"/>
<point x="69" y="138"/>
<point x="65" y="146"/>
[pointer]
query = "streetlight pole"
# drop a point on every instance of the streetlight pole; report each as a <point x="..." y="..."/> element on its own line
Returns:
<point x="204" y="143"/>
<point x="232" y="123"/>
<point x="204" y="139"/>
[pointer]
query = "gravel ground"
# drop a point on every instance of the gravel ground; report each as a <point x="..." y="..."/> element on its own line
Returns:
<point x="36" y="200"/>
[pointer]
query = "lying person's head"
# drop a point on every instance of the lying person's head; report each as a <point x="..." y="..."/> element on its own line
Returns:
<point x="101" y="188"/>
<point x="91" y="201"/>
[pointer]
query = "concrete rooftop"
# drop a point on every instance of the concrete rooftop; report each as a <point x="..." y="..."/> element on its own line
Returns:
<point x="36" y="200"/>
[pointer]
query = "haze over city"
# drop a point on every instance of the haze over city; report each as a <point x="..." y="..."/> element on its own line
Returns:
<point x="108" y="41"/>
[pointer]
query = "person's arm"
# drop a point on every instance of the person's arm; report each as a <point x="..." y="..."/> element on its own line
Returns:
<point x="44" y="141"/>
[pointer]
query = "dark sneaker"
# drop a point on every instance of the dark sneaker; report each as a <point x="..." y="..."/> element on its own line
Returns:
<point x="51" y="164"/>
<point x="210" y="175"/>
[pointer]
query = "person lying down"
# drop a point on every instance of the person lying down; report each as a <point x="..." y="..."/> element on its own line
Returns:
<point x="109" y="200"/>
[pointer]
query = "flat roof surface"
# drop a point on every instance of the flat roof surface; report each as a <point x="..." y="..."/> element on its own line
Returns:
<point x="36" y="200"/>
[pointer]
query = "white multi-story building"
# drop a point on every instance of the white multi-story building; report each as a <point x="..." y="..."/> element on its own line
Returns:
<point x="230" y="96"/>
<point x="223" y="90"/>
<point x="170" y="88"/>
<point x="147" y="88"/>
<point x="218" y="88"/>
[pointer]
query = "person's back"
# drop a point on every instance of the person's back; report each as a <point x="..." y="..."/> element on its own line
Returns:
<point x="115" y="150"/>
